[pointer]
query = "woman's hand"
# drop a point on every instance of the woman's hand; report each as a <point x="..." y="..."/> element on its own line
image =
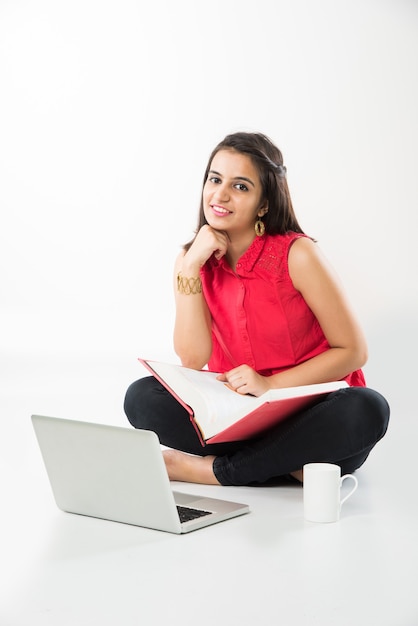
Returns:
<point x="208" y="241"/>
<point x="245" y="380"/>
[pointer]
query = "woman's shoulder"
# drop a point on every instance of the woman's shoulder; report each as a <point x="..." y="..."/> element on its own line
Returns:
<point x="287" y="238"/>
<point x="307" y="262"/>
<point x="304" y="249"/>
<point x="282" y="243"/>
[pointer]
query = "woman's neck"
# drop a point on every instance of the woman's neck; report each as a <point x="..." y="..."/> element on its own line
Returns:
<point x="237" y="247"/>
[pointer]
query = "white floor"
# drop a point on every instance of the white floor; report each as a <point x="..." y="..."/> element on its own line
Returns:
<point x="268" y="567"/>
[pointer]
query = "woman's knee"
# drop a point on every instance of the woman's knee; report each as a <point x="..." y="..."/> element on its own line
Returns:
<point x="379" y="408"/>
<point x="138" y="399"/>
<point x="373" y="407"/>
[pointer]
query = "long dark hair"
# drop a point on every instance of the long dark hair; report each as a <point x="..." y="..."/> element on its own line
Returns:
<point x="268" y="160"/>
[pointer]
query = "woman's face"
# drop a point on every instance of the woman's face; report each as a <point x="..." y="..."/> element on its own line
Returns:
<point x="232" y="193"/>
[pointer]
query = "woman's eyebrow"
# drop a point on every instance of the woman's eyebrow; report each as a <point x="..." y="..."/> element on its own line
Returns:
<point x="247" y="180"/>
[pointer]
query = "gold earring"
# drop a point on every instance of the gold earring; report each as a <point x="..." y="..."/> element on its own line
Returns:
<point x="259" y="228"/>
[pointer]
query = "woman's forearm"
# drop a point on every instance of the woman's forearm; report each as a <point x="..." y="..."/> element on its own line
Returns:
<point x="334" y="364"/>
<point x="192" y="329"/>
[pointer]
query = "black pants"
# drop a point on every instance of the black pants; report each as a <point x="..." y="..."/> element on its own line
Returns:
<point x="341" y="429"/>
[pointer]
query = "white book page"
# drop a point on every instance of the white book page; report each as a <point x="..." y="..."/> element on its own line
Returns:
<point x="214" y="405"/>
<point x="223" y="403"/>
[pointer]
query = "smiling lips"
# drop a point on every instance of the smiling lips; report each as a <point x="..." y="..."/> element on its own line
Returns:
<point x="220" y="210"/>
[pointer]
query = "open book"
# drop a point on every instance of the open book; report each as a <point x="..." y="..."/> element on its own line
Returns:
<point x="220" y="414"/>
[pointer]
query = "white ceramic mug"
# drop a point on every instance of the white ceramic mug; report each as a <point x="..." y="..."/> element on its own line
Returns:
<point x="322" y="491"/>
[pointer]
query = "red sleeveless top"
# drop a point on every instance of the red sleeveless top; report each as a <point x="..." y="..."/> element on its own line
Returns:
<point x="258" y="317"/>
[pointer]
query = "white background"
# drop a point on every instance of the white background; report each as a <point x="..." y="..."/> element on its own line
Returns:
<point x="108" y="113"/>
<point x="109" y="110"/>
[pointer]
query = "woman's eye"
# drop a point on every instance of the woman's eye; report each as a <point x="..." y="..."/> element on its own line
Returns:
<point x="215" y="179"/>
<point x="241" y="187"/>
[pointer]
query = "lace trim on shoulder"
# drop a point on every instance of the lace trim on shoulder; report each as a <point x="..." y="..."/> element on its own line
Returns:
<point x="275" y="254"/>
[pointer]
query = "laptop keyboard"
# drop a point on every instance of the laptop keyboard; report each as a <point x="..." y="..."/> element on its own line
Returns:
<point x="186" y="513"/>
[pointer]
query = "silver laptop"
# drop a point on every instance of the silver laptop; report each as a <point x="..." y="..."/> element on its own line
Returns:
<point x="119" y="474"/>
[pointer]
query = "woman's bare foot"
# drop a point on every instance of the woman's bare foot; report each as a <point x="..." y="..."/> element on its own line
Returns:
<point x="189" y="468"/>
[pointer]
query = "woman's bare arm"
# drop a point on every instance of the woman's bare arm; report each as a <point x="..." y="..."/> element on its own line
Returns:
<point x="315" y="280"/>
<point x="192" y="329"/>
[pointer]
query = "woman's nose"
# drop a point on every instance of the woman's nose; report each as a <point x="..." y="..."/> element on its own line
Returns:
<point x="222" y="193"/>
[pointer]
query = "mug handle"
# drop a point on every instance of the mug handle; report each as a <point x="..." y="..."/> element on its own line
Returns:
<point x="353" y="489"/>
